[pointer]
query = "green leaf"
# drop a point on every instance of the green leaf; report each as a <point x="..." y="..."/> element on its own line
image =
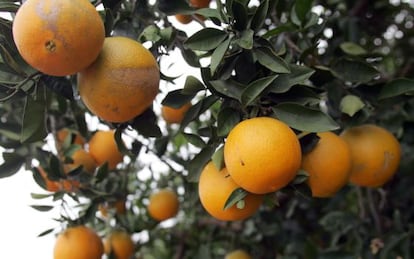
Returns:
<point x="197" y="109"/>
<point x="228" y="88"/>
<point x="34" y="120"/>
<point x="299" y="74"/>
<point x="40" y="196"/>
<point x="8" y="7"/>
<point x="192" y="86"/>
<point x="240" y="16"/>
<point x="397" y="87"/>
<point x="351" y="104"/>
<point x="174" y="7"/>
<point x="46" y="232"/>
<point x="246" y="39"/>
<point x="196" y="165"/>
<point x="11" y="164"/>
<point x="42" y="208"/>
<point x="218" y="158"/>
<point x="218" y="54"/>
<point x="302" y="8"/>
<point x="254" y="89"/>
<point x="177" y="98"/>
<point x="194" y="139"/>
<point x="206" y="39"/>
<point x="259" y="16"/>
<point x="151" y="33"/>
<point x="278" y="30"/>
<point x="10" y="130"/>
<point x="303" y="118"/>
<point x="352" y="48"/>
<point x="353" y="71"/>
<point x="227" y="118"/>
<point x="146" y="124"/>
<point x="270" y="60"/>
<point x="211" y="13"/>
<point x="236" y="196"/>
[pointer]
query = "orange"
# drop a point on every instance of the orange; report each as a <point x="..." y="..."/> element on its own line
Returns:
<point x="58" y="37"/>
<point x="118" y="205"/>
<point x="163" y="204"/>
<point x="238" y="254"/>
<point x="103" y="148"/>
<point x="174" y="115"/>
<point x="75" y="137"/>
<point x="328" y="165"/>
<point x="119" y="243"/>
<point x="214" y="189"/>
<point x="375" y="154"/>
<point x="83" y="158"/>
<point x="51" y="186"/>
<point x="200" y="3"/>
<point x="79" y="242"/>
<point x="262" y="154"/>
<point x="123" y="81"/>
<point x="183" y="18"/>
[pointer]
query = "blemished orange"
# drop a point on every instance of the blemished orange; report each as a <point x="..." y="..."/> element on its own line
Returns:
<point x="328" y="165"/>
<point x="238" y="254"/>
<point x="215" y="187"/>
<point x="163" y="204"/>
<point x="119" y="244"/>
<point x="174" y="115"/>
<point x="262" y="154"/>
<point x="83" y="158"/>
<point x="123" y="81"/>
<point x="46" y="36"/>
<point x="103" y="148"/>
<point x="375" y="154"/>
<point x="75" y="137"/>
<point x="78" y="242"/>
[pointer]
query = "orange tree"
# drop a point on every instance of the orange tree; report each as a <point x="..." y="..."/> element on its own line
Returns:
<point x="316" y="66"/>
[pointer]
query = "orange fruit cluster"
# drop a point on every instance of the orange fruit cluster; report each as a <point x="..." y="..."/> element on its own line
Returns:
<point x="263" y="155"/>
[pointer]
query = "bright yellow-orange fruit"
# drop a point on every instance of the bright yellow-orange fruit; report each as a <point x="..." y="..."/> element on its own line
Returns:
<point x="328" y="165"/>
<point x="163" y="204"/>
<point x="375" y="153"/>
<point x="174" y="115"/>
<point x="238" y="254"/>
<point x="58" y="37"/>
<point x="119" y="243"/>
<point x="122" y="82"/>
<point x="79" y="242"/>
<point x="262" y="154"/>
<point x="214" y="189"/>
<point x="103" y="148"/>
<point x="81" y="157"/>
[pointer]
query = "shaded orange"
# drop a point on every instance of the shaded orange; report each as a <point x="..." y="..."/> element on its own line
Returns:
<point x="375" y="154"/>
<point x="51" y="186"/>
<point x="75" y="137"/>
<point x="174" y="115"/>
<point x="83" y="158"/>
<point x="163" y="204"/>
<point x="328" y="165"/>
<point x="184" y="18"/>
<point x="118" y="205"/>
<point x="103" y="148"/>
<point x="262" y="154"/>
<point x="215" y="187"/>
<point x="58" y="37"/>
<point x="122" y="82"/>
<point x="79" y="242"/>
<point x="120" y="244"/>
<point x="238" y="254"/>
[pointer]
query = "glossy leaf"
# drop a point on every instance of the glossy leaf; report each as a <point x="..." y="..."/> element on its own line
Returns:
<point x="11" y="164"/>
<point x="270" y="60"/>
<point x="218" y="55"/>
<point x="236" y="196"/>
<point x="397" y="87"/>
<point x="298" y="75"/>
<point x="352" y="48"/>
<point x="259" y="16"/>
<point x="354" y="71"/>
<point x="206" y="39"/>
<point x="303" y="118"/>
<point x="226" y="120"/>
<point x="34" y="120"/>
<point x="198" y="162"/>
<point x="254" y="89"/>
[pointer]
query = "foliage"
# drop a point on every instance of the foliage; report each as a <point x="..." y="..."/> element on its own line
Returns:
<point x="316" y="65"/>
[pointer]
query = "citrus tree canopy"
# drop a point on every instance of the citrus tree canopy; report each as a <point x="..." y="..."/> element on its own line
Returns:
<point x="277" y="129"/>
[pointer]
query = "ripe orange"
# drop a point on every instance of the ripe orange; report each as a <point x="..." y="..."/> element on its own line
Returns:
<point x="328" y="165"/>
<point x="262" y="154"/>
<point x="163" y="204"/>
<point x="103" y="148"/>
<point x="200" y="3"/>
<point x="183" y="18"/>
<point x="122" y="82"/>
<point x="375" y="154"/>
<point x="215" y="187"/>
<point x="83" y="158"/>
<point x="58" y="37"/>
<point x="75" y="137"/>
<point x="238" y="254"/>
<point x="119" y="243"/>
<point x="79" y="242"/>
<point x="174" y="115"/>
<point x="118" y="205"/>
